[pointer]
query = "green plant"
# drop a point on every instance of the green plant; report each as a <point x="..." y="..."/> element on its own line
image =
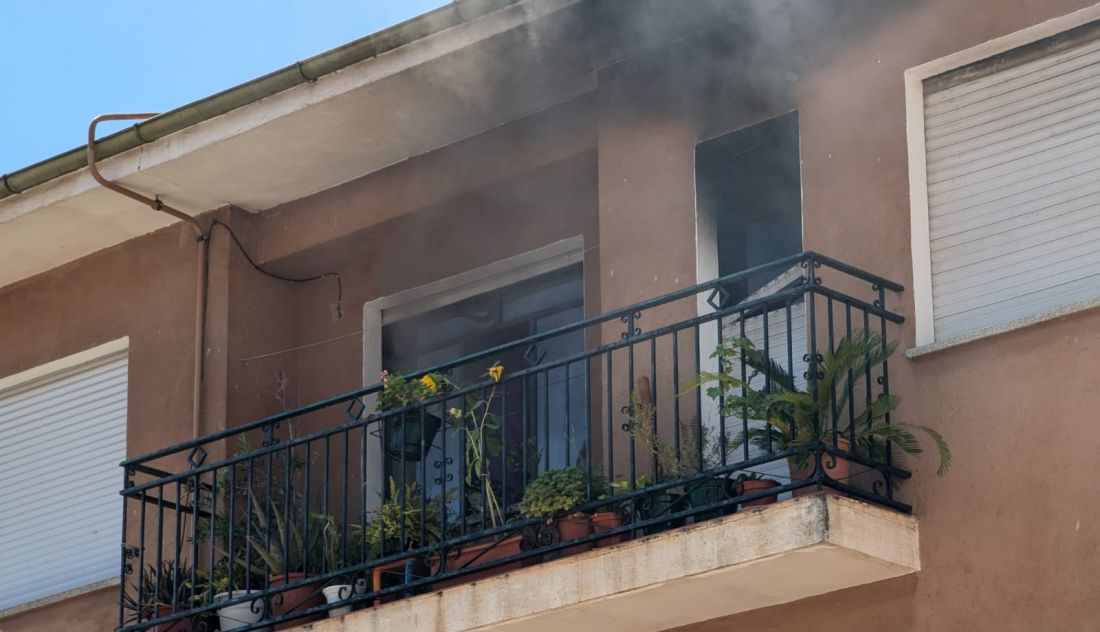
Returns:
<point x="622" y="485"/>
<point x="672" y="462"/>
<point x="553" y="493"/>
<point x="398" y="391"/>
<point x="171" y="588"/>
<point x="274" y="526"/>
<point x="403" y="513"/>
<point x="224" y="575"/>
<point x="283" y="544"/>
<point x="480" y="428"/>
<point x="796" y="418"/>
<point x="751" y="476"/>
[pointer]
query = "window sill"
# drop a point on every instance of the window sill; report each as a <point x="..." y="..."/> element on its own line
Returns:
<point x="1004" y="328"/>
<point x="59" y="597"/>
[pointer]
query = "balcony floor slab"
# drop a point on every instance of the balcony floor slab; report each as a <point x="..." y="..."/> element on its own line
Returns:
<point x="753" y="559"/>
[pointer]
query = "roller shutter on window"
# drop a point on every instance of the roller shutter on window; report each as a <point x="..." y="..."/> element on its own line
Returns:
<point x="61" y="440"/>
<point x="1013" y="165"/>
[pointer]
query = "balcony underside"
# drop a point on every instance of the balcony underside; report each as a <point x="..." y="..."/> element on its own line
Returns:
<point x="752" y="559"/>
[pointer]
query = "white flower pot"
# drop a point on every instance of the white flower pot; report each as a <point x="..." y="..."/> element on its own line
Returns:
<point x="240" y="615"/>
<point x="336" y="594"/>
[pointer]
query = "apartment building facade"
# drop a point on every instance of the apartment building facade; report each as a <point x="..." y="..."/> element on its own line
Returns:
<point x="555" y="211"/>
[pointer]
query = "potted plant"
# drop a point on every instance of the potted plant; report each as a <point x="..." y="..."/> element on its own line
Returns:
<point x="275" y="535"/>
<point x="553" y="496"/>
<point x="409" y="435"/>
<point x="478" y="425"/>
<point x="608" y="519"/>
<point x="344" y="548"/>
<point x="799" y="418"/>
<point x="284" y="546"/>
<point x="164" y="591"/>
<point x="751" y="483"/>
<point x="675" y="463"/>
<point x="224" y="583"/>
<point x="404" y="522"/>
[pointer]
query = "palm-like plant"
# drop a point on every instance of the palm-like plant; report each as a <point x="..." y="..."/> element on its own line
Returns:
<point x="795" y="417"/>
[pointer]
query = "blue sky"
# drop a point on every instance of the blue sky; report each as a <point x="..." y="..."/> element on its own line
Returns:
<point x="64" y="61"/>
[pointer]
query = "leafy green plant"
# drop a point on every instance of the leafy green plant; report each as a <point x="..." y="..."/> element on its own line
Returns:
<point x="401" y="515"/>
<point x="553" y="493"/>
<point x="398" y="391"/>
<point x="622" y="485"/>
<point x="225" y="574"/>
<point x="796" y="418"/>
<point x="172" y="588"/>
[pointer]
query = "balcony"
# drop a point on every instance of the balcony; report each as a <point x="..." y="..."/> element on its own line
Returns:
<point x="722" y="448"/>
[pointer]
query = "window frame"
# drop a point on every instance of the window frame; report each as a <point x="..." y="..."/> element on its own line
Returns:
<point x="920" y="243"/>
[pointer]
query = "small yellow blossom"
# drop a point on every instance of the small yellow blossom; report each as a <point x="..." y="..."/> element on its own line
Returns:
<point x="429" y="383"/>
<point x="455" y="413"/>
<point x="496" y="371"/>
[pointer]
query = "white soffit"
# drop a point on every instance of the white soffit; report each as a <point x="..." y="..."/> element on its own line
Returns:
<point x="427" y="94"/>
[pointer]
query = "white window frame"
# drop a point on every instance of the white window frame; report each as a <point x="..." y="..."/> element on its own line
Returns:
<point x="33" y="377"/>
<point x="421" y="299"/>
<point x="918" y="175"/>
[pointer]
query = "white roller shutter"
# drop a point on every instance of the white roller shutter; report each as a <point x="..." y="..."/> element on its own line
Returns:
<point x="61" y="440"/>
<point x="1013" y="164"/>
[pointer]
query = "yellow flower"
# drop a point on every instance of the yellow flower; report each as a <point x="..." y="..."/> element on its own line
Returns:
<point x="429" y="383"/>
<point x="496" y="371"/>
<point x="455" y="413"/>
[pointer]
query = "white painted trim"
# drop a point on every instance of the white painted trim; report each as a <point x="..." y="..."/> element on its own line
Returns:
<point x="57" y="368"/>
<point x="918" y="168"/>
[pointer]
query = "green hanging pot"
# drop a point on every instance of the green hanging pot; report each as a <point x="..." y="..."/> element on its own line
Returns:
<point x="406" y="438"/>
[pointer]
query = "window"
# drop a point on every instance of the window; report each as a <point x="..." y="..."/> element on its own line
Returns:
<point x="496" y="304"/>
<point x="749" y="188"/>
<point x="1005" y="165"/>
<point x="62" y="436"/>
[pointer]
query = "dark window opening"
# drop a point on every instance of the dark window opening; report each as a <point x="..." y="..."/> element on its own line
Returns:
<point x="749" y="184"/>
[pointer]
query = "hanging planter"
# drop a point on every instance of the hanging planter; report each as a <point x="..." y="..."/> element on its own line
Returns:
<point x="409" y="435"/>
<point x="410" y="439"/>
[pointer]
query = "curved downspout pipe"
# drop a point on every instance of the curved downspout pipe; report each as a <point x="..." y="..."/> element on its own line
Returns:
<point x="201" y="238"/>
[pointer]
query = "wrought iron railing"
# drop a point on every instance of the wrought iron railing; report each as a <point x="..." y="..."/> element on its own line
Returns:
<point x="260" y="522"/>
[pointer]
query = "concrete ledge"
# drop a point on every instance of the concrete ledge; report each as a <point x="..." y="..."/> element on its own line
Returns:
<point x="753" y="559"/>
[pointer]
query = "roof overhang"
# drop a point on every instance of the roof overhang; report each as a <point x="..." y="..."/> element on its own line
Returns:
<point x="457" y="72"/>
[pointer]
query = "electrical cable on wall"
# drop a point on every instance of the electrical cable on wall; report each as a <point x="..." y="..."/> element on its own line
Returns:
<point x="337" y="310"/>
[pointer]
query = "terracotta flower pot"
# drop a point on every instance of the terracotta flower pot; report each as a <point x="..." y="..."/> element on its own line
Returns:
<point x="838" y="469"/>
<point x="572" y="528"/>
<point x="164" y="610"/>
<point x="476" y="555"/>
<point x="754" y="486"/>
<point x="605" y="521"/>
<point x="295" y="599"/>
